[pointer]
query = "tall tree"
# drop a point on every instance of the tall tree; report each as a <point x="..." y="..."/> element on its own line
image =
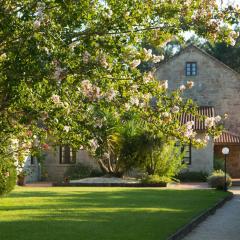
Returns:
<point x="69" y="69"/>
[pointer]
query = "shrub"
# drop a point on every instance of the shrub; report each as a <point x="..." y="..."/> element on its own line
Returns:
<point x="217" y="180"/>
<point x="154" y="179"/>
<point x="192" y="176"/>
<point x="218" y="164"/>
<point x="156" y="155"/>
<point x="8" y="176"/>
<point x="81" y="171"/>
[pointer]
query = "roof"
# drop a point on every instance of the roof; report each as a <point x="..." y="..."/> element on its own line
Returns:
<point x="203" y="52"/>
<point x="227" y="138"/>
<point x="199" y="125"/>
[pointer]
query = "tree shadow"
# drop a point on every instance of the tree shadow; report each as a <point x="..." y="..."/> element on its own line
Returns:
<point x="85" y="213"/>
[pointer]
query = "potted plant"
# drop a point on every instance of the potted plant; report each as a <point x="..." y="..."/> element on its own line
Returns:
<point x="22" y="175"/>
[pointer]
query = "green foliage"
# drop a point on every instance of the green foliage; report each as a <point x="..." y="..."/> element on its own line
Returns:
<point x="154" y="154"/>
<point x="230" y="55"/>
<point x="187" y="176"/>
<point x="80" y="170"/>
<point x="217" y="180"/>
<point x="151" y="179"/>
<point x="69" y="72"/>
<point x="8" y="176"/>
<point x="218" y="163"/>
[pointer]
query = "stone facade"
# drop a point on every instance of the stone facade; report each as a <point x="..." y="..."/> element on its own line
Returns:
<point x="202" y="159"/>
<point x="54" y="171"/>
<point x="215" y="84"/>
<point x="233" y="159"/>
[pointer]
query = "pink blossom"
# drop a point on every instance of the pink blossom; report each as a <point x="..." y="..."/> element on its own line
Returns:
<point x="55" y="99"/>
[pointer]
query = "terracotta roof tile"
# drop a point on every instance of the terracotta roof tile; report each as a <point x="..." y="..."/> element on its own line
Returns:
<point x="199" y="125"/>
<point x="227" y="137"/>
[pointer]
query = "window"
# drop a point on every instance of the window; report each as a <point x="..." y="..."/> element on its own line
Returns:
<point x="188" y="153"/>
<point x="191" y="69"/>
<point x="32" y="160"/>
<point x="67" y="155"/>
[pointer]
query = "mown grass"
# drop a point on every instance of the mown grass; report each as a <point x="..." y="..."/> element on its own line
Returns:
<point x="99" y="213"/>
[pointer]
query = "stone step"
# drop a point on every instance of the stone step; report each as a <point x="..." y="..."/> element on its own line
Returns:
<point x="235" y="182"/>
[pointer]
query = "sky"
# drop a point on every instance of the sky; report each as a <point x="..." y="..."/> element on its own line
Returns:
<point x="227" y="2"/>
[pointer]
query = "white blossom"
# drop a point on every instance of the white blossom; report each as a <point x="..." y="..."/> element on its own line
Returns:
<point x="56" y="99"/>
<point x="103" y="61"/>
<point x="164" y="84"/>
<point x="166" y="115"/>
<point x="189" y="124"/>
<point x="127" y="106"/>
<point x="225" y="115"/>
<point x="210" y="122"/>
<point x="157" y="59"/>
<point x="147" y="54"/>
<point x="198" y="140"/>
<point x="134" y="101"/>
<point x="93" y="144"/>
<point x="108" y="13"/>
<point x="3" y="55"/>
<point x="135" y="63"/>
<point x="37" y="24"/>
<point x="86" y="57"/>
<point x="67" y="128"/>
<point x="190" y="84"/>
<point x="98" y="123"/>
<point x="58" y="72"/>
<point x="182" y="88"/>
<point x="218" y="118"/>
<point x="175" y="109"/>
<point x="206" y="138"/>
<point x="112" y="94"/>
<point x="148" y="77"/>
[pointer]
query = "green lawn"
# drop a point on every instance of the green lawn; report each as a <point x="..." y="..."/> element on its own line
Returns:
<point x="99" y="213"/>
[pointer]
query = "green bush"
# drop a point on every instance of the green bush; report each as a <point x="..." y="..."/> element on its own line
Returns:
<point x="80" y="170"/>
<point x="155" y="155"/>
<point x="8" y="176"/>
<point x="217" y="180"/>
<point x="218" y="163"/>
<point x="192" y="176"/>
<point x="154" y="179"/>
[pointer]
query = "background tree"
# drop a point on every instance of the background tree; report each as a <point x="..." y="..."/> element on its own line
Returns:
<point x="68" y="70"/>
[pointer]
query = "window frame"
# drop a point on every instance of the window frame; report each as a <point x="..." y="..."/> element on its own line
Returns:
<point x="72" y="158"/>
<point x="189" y="67"/>
<point x="187" y="159"/>
<point x="32" y="160"/>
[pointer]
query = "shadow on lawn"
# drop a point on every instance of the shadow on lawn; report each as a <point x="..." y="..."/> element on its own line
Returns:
<point x="122" y="198"/>
<point x="79" y="213"/>
<point x="134" y="198"/>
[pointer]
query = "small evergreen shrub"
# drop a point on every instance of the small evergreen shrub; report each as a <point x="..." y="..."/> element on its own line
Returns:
<point x="155" y="179"/>
<point x="81" y="171"/>
<point x="192" y="176"/>
<point x="217" y="180"/>
<point x="8" y="176"/>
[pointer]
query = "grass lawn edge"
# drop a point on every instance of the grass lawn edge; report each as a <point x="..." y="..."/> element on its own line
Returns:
<point x="183" y="231"/>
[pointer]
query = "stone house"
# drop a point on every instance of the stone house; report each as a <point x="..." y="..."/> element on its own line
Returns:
<point x="216" y="90"/>
<point x="216" y="85"/>
<point x="56" y="161"/>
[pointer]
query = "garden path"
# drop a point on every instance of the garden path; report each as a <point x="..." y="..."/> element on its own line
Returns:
<point x="223" y="225"/>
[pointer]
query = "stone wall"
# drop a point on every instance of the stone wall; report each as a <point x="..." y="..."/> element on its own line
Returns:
<point x="202" y="159"/>
<point x="215" y="84"/>
<point x="54" y="171"/>
<point x="233" y="159"/>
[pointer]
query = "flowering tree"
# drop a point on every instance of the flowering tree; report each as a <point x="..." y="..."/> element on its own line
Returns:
<point x="69" y="70"/>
